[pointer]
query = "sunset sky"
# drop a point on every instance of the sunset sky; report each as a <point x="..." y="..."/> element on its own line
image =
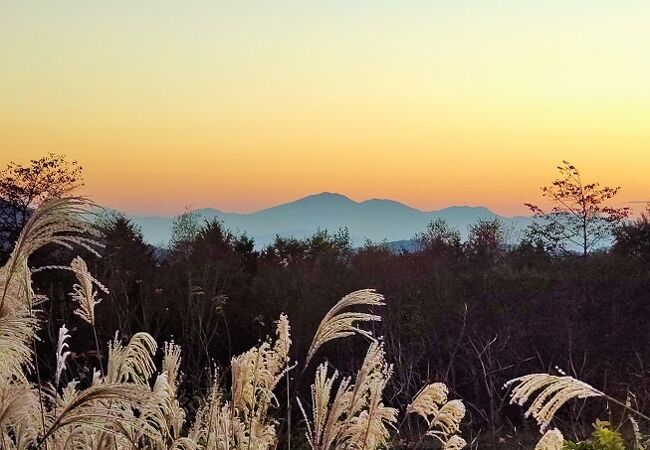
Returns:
<point x="241" y="105"/>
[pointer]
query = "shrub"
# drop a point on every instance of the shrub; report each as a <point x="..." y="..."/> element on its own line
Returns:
<point x="603" y="438"/>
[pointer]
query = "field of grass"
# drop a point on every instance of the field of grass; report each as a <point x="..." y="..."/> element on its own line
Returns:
<point x="130" y="402"/>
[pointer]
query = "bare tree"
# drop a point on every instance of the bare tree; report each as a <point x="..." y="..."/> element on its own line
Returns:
<point x="581" y="217"/>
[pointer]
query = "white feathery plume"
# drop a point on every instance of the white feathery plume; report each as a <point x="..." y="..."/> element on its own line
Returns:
<point x="368" y="430"/>
<point x="551" y="440"/>
<point x="131" y="362"/>
<point x="19" y="411"/>
<point x="427" y="402"/>
<point x="449" y="417"/>
<point x="282" y="342"/>
<point x="100" y="405"/>
<point x="553" y="392"/>
<point x="17" y="329"/>
<point x="256" y="372"/>
<point x="17" y="293"/>
<point x="355" y="418"/>
<point x="171" y="363"/>
<point x="215" y="426"/>
<point x="61" y="355"/>
<point x="158" y="411"/>
<point x="97" y="377"/>
<point x="68" y="394"/>
<point x="373" y="366"/>
<point x="62" y="222"/>
<point x="454" y="443"/>
<point x="327" y="416"/>
<point x="443" y="416"/>
<point x="83" y="293"/>
<point x="57" y="221"/>
<point x="337" y="324"/>
<point x="244" y="422"/>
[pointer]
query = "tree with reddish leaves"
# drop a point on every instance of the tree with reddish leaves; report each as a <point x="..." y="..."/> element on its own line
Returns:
<point x="581" y="217"/>
<point x="24" y="186"/>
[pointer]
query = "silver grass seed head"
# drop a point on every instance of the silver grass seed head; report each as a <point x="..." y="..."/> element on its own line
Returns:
<point x="455" y="442"/>
<point x="551" y="440"/>
<point x="551" y="392"/>
<point x="449" y="417"/>
<point x="61" y="354"/>
<point x="427" y="402"/>
<point x="338" y="323"/>
<point x="83" y="292"/>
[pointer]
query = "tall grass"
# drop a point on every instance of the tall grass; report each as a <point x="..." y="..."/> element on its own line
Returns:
<point x="131" y="404"/>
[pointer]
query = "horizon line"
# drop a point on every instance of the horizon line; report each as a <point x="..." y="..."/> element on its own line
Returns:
<point x="189" y="207"/>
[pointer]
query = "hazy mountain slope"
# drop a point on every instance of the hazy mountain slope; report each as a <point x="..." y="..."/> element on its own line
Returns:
<point x="378" y="220"/>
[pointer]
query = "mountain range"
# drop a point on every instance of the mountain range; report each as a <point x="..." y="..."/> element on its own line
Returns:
<point x="379" y="220"/>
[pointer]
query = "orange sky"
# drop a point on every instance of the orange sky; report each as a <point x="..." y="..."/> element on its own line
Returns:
<point x="251" y="104"/>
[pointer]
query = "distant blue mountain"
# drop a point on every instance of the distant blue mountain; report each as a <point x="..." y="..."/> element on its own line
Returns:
<point x="377" y="219"/>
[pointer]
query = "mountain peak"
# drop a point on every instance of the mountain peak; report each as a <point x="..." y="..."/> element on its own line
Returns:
<point x="329" y="197"/>
<point x="326" y="194"/>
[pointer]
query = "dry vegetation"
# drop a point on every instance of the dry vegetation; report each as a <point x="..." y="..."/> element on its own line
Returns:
<point x="130" y="404"/>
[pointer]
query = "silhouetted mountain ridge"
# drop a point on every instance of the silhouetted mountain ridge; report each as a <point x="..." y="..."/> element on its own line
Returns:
<point x="375" y="219"/>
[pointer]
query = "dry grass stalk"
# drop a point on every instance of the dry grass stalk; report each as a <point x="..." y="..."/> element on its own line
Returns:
<point x="61" y="354"/>
<point x="131" y="362"/>
<point x="83" y="293"/>
<point x="427" y="402"/>
<point x="337" y="323"/>
<point x="443" y="416"/>
<point x="356" y="417"/>
<point x="244" y="421"/>
<point x="454" y="443"/>
<point x="552" y="392"/>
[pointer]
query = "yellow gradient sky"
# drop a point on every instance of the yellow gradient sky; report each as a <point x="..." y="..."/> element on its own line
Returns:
<point x="241" y="105"/>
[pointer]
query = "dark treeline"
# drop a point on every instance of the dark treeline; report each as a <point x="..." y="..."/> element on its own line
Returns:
<point x="473" y="314"/>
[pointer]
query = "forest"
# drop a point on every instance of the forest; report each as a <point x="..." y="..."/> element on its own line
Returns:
<point x="456" y="317"/>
